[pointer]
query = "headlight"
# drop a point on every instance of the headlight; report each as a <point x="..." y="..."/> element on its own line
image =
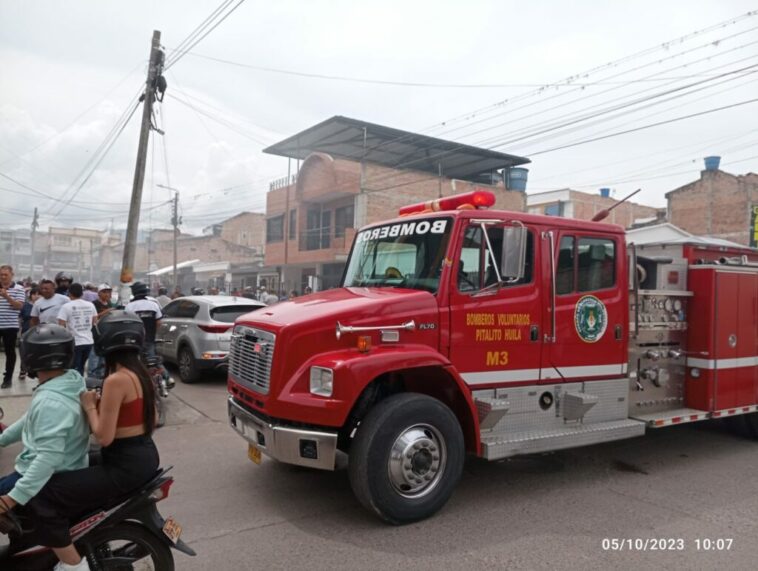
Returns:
<point x="321" y="381"/>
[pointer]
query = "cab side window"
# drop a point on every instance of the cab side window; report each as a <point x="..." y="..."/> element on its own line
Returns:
<point x="469" y="268"/>
<point x="585" y="264"/>
<point x="564" y="271"/>
<point x="476" y="270"/>
<point x="596" y="264"/>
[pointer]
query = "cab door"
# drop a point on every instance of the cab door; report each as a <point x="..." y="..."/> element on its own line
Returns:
<point x="496" y="332"/>
<point x="587" y="318"/>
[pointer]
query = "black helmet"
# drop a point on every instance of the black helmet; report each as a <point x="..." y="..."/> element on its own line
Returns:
<point x="139" y="289"/>
<point x="63" y="276"/>
<point x="47" y="347"/>
<point x="118" y="330"/>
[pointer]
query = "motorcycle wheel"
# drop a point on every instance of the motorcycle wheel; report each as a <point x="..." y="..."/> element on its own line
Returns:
<point x="161" y="406"/>
<point x="128" y="546"/>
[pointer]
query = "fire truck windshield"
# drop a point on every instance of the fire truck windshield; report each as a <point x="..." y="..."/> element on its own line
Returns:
<point x="404" y="254"/>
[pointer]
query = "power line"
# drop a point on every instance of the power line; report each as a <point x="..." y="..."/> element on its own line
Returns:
<point x="195" y="38"/>
<point x="649" y="126"/>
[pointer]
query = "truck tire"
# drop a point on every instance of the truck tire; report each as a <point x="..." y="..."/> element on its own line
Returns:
<point x="406" y="458"/>
<point x="751" y="425"/>
<point x="744" y="425"/>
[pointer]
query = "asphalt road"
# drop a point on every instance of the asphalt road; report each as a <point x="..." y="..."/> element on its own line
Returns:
<point x="553" y="511"/>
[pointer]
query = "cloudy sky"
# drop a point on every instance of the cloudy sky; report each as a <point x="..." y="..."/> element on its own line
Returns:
<point x="540" y="79"/>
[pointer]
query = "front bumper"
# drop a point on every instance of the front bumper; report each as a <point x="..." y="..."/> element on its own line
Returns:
<point x="314" y="449"/>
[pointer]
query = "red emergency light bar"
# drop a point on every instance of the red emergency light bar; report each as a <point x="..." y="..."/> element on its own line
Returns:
<point x="465" y="201"/>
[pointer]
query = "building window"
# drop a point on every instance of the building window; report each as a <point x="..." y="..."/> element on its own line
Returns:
<point x="292" y="233"/>
<point x="555" y="209"/>
<point x="318" y="230"/>
<point x="62" y="240"/>
<point x="275" y="229"/>
<point x="343" y="218"/>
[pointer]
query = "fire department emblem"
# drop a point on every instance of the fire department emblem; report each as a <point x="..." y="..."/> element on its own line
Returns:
<point x="590" y="318"/>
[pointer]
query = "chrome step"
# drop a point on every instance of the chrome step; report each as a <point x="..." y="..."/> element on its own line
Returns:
<point x="675" y="416"/>
<point x="503" y="445"/>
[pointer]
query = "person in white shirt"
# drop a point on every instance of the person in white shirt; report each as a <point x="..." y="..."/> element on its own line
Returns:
<point x="46" y="307"/>
<point x="78" y="316"/>
<point x="149" y="311"/>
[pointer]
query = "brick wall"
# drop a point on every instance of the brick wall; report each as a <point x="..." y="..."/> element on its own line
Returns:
<point x="718" y="204"/>
<point x="586" y="205"/>
<point x="246" y="229"/>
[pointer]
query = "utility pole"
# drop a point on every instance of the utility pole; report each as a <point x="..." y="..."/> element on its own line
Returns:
<point x="35" y="225"/>
<point x="130" y="243"/>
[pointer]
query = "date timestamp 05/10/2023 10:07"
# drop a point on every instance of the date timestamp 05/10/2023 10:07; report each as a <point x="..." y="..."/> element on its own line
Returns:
<point x="666" y="544"/>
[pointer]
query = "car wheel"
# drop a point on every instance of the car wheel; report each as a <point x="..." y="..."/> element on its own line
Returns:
<point x="407" y="458"/>
<point x="188" y="372"/>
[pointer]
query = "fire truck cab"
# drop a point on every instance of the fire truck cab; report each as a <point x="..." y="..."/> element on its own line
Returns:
<point x="461" y="329"/>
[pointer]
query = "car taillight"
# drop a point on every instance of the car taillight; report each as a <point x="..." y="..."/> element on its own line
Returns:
<point x="162" y="492"/>
<point x="216" y="328"/>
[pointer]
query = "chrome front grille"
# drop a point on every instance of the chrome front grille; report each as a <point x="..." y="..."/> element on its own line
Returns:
<point x="250" y="357"/>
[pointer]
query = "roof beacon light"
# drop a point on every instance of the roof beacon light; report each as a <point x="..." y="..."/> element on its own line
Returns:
<point x="465" y="201"/>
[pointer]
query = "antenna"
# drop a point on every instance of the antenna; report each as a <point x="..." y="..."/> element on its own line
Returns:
<point x="603" y="214"/>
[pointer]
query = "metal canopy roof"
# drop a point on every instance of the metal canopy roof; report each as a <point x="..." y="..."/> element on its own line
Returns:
<point x="343" y="138"/>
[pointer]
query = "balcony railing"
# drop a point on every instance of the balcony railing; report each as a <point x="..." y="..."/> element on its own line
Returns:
<point x="320" y="239"/>
<point x="282" y="182"/>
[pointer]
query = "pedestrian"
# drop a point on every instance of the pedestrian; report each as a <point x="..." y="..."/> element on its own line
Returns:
<point x="103" y="306"/>
<point x="78" y="316"/>
<point x="148" y="311"/>
<point x="90" y="292"/>
<point x="269" y="298"/>
<point x="12" y="296"/>
<point x="62" y="282"/>
<point x="26" y="321"/>
<point x="45" y="309"/>
<point x="163" y="299"/>
<point x="308" y="290"/>
<point x="292" y="295"/>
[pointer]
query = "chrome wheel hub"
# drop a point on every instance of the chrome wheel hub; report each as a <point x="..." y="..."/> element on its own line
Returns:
<point x="417" y="460"/>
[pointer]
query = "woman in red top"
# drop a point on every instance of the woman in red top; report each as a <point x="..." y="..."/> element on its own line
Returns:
<point x="122" y="420"/>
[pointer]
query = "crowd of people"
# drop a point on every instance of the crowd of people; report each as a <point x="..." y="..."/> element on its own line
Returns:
<point x="74" y="306"/>
<point x="54" y="481"/>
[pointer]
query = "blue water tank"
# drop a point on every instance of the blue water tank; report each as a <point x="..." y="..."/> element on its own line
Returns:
<point x="605" y="192"/>
<point x="516" y="179"/>
<point x="712" y="163"/>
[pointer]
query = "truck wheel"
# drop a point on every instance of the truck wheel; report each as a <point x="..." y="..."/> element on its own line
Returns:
<point x="744" y="425"/>
<point x="187" y="369"/>
<point x="407" y="458"/>
<point x="751" y="425"/>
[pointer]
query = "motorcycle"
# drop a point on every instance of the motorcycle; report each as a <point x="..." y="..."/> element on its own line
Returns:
<point x="128" y="534"/>
<point x="162" y="382"/>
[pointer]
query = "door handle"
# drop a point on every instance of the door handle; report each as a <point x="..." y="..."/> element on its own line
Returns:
<point x="618" y="333"/>
<point x="534" y="333"/>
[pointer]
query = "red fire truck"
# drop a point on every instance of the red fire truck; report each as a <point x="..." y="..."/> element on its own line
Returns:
<point x="461" y="329"/>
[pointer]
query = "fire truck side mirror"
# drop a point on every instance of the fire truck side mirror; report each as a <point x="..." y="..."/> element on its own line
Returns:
<point x="513" y="260"/>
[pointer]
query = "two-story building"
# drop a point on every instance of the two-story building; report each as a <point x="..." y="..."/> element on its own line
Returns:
<point x="347" y="173"/>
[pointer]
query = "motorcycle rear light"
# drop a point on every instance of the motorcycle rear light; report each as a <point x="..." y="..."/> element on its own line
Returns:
<point x="216" y="328"/>
<point x="161" y="493"/>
